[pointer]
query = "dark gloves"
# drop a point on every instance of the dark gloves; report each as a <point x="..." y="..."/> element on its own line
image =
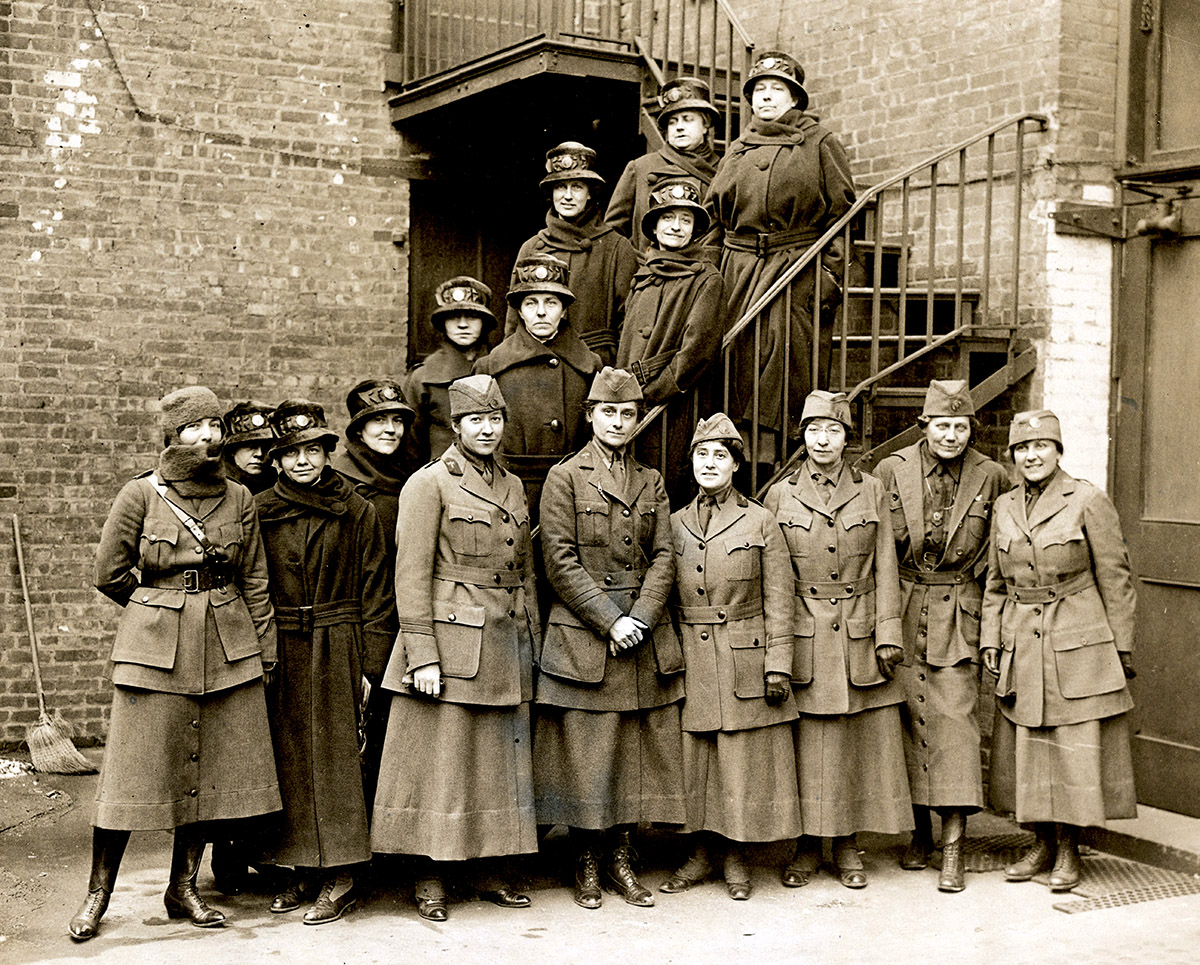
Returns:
<point x="779" y="685"/>
<point x="270" y="671"/>
<point x="991" y="660"/>
<point x="1127" y="664"/>
<point x="888" y="658"/>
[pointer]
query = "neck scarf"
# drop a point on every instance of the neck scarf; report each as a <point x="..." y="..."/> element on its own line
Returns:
<point x="387" y="474"/>
<point x="327" y="495"/>
<point x="192" y="471"/>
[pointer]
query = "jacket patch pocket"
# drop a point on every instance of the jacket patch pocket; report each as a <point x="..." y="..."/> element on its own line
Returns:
<point x="1006" y="687"/>
<point x="796" y="524"/>
<point x="591" y="523"/>
<point x="234" y="624"/>
<point x="749" y="645"/>
<point x="1061" y="537"/>
<point x="860" y="642"/>
<point x="802" y="645"/>
<point x="1087" y="661"/>
<point x="860" y="529"/>
<point x="647" y="525"/>
<point x="668" y="652"/>
<point x="148" y="631"/>
<point x="571" y="650"/>
<point x="742" y="556"/>
<point x="157" y="544"/>
<point x="459" y="634"/>
<point x="468" y="530"/>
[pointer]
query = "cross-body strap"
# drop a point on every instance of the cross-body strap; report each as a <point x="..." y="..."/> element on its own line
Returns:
<point x="189" y="521"/>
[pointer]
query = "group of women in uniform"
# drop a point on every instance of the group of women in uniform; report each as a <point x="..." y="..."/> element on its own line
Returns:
<point x="669" y="652"/>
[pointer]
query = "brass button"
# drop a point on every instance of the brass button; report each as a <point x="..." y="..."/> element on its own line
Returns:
<point x="700" y="590"/>
<point x="833" y="549"/>
<point x="628" y="540"/>
<point x="509" y="541"/>
<point x="699" y="567"/>
<point x="145" y="597"/>
<point x="552" y="362"/>
<point x="512" y="613"/>
<point x="193" y="792"/>
<point x="946" y="598"/>
<point x="608" y="581"/>
<point x="1037" y="633"/>
<point x="625" y="513"/>
<point x="195" y="725"/>
<point x="836" y="626"/>
<point x="921" y="676"/>
<point x="829" y="521"/>
<point x="555" y="425"/>
<point x="833" y="576"/>
<point x="509" y="564"/>
<point x="496" y="577"/>
<point x="701" y="546"/>
<point x="195" y="757"/>
<point x="720" y="614"/>
<point x="633" y="595"/>
<point x="703" y="634"/>
<point x="1037" y="611"/>
<point x="920" y="698"/>
<point x="199" y="549"/>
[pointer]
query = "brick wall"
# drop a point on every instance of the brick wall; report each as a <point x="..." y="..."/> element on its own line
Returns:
<point x="182" y="200"/>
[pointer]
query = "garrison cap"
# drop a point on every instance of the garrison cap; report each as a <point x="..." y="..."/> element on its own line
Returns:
<point x="718" y="427"/>
<point x="540" y="274"/>
<point x="675" y="193"/>
<point x="570" y="161"/>
<point x="462" y="295"/>
<point x="187" y="405"/>
<point x="948" y="397"/>
<point x="685" y="94"/>
<point x="247" y="424"/>
<point x="373" y="397"/>
<point x="614" y="385"/>
<point x="1034" y="424"/>
<point x="827" y="405"/>
<point x="784" y="67"/>
<point x="475" y="393"/>
<point x="297" y="421"/>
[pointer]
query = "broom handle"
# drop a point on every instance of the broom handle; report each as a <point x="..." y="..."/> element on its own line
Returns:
<point x="33" y="642"/>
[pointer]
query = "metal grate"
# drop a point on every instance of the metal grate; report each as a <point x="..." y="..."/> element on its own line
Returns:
<point x="992" y="852"/>
<point x="1133" y="896"/>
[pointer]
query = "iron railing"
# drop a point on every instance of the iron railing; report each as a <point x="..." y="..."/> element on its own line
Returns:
<point x="939" y="261"/>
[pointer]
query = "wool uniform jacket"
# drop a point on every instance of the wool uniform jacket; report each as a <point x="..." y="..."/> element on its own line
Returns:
<point x="941" y="620"/>
<point x="607" y="548"/>
<point x="465" y="587"/>
<point x="734" y="607"/>
<point x="1059" y="643"/>
<point x="847" y="589"/>
<point x="631" y="197"/>
<point x="427" y="390"/>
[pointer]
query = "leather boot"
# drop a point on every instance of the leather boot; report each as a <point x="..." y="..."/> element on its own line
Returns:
<point x="954" y="829"/>
<point x="229" y="867"/>
<point x="182" y="900"/>
<point x="108" y="846"/>
<point x="1065" y="874"/>
<point x="621" y="876"/>
<point x="916" y="855"/>
<point x="848" y="861"/>
<point x="804" y="863"/>
<point x="1037" y="859"/>
<point x="587" y="879"/>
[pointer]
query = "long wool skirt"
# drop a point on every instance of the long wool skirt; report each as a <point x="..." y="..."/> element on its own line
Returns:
<point x="174" y="759"/>
<point x="455" y="782"/>
<point x="852" y="774"/>
<point x="941" y="734"/>
<point x="599" y="769"/>
<point x="1079" y="774"/>
<point x="742" y="784"/>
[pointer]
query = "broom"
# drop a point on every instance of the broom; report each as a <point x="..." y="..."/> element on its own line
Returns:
<point x="50" y="746"/>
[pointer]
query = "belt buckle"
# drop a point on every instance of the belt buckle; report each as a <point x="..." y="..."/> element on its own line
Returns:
<point x="761" y="243"/>
<point x="636" y="368"/>
<point x="306" y="618"/>
<point x="191" y="581"/>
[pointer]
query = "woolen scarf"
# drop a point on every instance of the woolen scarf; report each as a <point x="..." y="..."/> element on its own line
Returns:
<point x="192" y="471"/>
<point x="386" y="474"/>
<point x="328" y="495"/>
<point x="578" y="234"/>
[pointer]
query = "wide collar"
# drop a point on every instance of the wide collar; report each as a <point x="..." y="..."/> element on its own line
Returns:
<point x="793" y="130"/>
<point x="446" y="364"/>
<point x="521" y="347"/>
<point x="362" y="464"/>
<point x="498" y="492"/>
<point x="700" y="166"/>
<point x="601" y="477"/>
<point x="848" y="486"/>
<point x="564" y="235"/>
<point x="728" y="513"/>
<point x="1054" y="497"/>
<point x="661" y="264"/>
<point x="330" y="496"/>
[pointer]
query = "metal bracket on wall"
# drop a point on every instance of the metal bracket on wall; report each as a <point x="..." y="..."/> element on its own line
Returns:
<point x="1076" y="218"/>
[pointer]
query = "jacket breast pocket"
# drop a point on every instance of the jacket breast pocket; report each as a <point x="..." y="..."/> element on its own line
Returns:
<point x="796" y="524"/>
<point x="802" y="645"/>
<point x="1087" y="661"/>
<point x="860" y="641"/>
<point x="979" y="514"/>
<point x="234" y="625"/>
<point x="468" y="529"/>
<point x="860" y="526"/>
<point x="647" y="524"/>
<point x="1064" y="550"/>
<point x="459" y="634"/>
<point x="227" y="538"/>
<point x="742" y="556"/>
<point x="148" y="632"/>
<point x="748" y="641"/>
<point x="156" y="548"/>
<point x="591" y="523"/>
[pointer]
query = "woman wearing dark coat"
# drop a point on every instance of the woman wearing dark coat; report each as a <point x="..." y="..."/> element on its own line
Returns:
<point x="601" y="262"/>
<point x="188" y="742"/>
<point x="607" y="747"/>
<point x="464" y="319"/>
<point x="849" y="750"/>
<point x="544" y="371"/>
<point x="456" y="780"/>
<point x="941" y="495"/>
<point x="329" y="570"/>
<point x="1058" y="618"/>
<point x="778" y="188"/>
<point x="247" y="442"/>
<point x="686" y="120"/>
<point x="673" y="328"/>
<point x="734" y="605"/>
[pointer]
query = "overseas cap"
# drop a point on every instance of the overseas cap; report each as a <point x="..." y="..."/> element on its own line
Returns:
<point x="718" y="427"/>
<point x="475" y="393"/>
<point x="827" y="405"/>
<point x="785" y="67"/>
<point x="614" y="385"/>
<point x="247" y="424"/>
<point x="949" y="397"/>
<point x="1034" y="424"/>
<point x="570" y="161"/>
<point x="187" y="405"/>
<point x="297" y="421"/>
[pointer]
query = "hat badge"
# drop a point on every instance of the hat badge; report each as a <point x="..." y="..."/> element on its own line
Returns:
<point x="674" y="94"/>
<point x="388" y="392"/>
<point x="458" y="294"/>
<point x="301" y="420"/>
<point x="1035" y="423"/>
<point x="566" y="162"/>
<point x="677" y="191"/>
<point x="767" y="63"/>
<point x="956" y="405"/>
<point x="540" y="273"/>
<point x="257" y="419"/>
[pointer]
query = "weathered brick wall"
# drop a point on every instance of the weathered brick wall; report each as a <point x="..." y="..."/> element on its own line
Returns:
<point x="182" y="200"/>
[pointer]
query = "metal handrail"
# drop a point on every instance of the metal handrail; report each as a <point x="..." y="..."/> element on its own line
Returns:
<point x="735" y="23"/>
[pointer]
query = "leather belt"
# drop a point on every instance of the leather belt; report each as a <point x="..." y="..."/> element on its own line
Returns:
<point x="1051" y="591"/>
<point x="768" y="242"/>
<point x="834" y="589"/>
<point x="478" y="575"/>
<point x="936" y="577"/>
<point x="720" y="614"/>
<point x="620" y="579"/>
<point x="195" y="580"/>
<point x="647" y="370"/>
<point x="307" y="618"/>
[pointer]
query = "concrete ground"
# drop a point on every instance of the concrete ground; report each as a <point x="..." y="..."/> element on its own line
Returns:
<point x="900" y="918"/>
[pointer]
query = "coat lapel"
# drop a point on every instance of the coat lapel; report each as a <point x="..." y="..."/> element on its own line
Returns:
<point x="845" y="490"/>
<point x="1052" y="499"/>
<point x="806" y="490"/>
<point x="969" y="485"/>
<point x="726" y="516"/>
<point x="910" y="482"/>
<point x="690" y="518"/>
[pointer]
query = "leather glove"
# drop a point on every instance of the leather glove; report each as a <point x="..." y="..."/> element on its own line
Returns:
<point x="991" y="660"/>
<point x="1127" y="664"/>
<point x="888" y="658"/>
<point x="779" y="685"/>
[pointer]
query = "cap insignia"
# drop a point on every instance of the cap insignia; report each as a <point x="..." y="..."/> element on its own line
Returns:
<point x="1035" y="423"/>
<point x="389" y="392"/>
<point x="458" y="294"/>
<point x="301" y="420"/>
<point x="257" y="419"/>
<point x="767" y="63"/>
<point x="540" y="273"/>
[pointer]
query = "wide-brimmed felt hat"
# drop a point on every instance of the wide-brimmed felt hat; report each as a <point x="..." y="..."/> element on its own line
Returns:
<point x="373" y="397"/>
<point x="784" y="67"/>
<point x="247" y="424"/>
<point x="540" y="274"/>
<point x="462" y="295"/>
<point x="1034" y="424"/>
<point x="675" y="193"/>
<point x="570" y="161"/>
<point x="685" y="94"/>
<point x="297" y="421"/>
<point x="475" y="393"/>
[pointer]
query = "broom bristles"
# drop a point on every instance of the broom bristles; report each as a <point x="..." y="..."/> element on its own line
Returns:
<point x="51" y="749"/>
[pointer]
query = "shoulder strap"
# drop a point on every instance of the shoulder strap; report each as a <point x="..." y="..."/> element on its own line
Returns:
<point x="189" y="521"/>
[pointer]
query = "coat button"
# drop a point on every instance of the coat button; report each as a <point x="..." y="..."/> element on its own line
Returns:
<point x="452" y="618"/>
<point x="555" y="425"/>
<point x="699" y="567"/>
<point x="199" y="549"/>
<point x="833" y="549"/>
<point x="924" y="767"/>
<point x="836" y="626"/>
<point x="195" y="725"/>
<point x="145" y="597"/>
<point x="833" y="576"/>
<point x="924" y="743"/>
<point x="946" y="598"/>
<point x="553" y="362"/>
<point x="509" y="541"/>
<point x="921" y="721"/>
<point x="633" y="594"/>
<point x="701" y="546"/>
<point x="608" y="581"/>
<point x="720" y="614"/>
<point x="704" y="635"/>
<point x="193" y="792"/>
<point x="924" y="611"/>
<point x="587" y="510"/>
<point x="1037" y="611"/>
<point x="625" y="513"/>
<point x="1037" y="633"/>
<point x="700" y="590"/>
<point x="509" y="564"/>
<point x="504" y="517"/>
<point x="920" y="633"/>
<point x="496" y="577"/>
<point x="628" y="567"/>
<point x="921" y="676"/>
<point x="195" y="757"/>
<point x="628" y="540"/>
<point x="512" y="613"/>
<point x="920" y="698"/>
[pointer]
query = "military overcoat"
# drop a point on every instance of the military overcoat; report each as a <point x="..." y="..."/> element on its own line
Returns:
<point x="630" y="198"/>
<point x="426" y="390"/>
